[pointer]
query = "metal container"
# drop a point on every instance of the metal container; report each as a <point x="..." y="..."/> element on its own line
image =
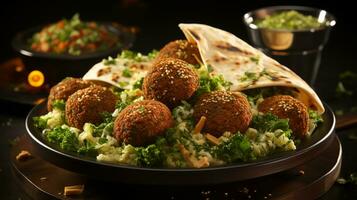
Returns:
<point x="300" y="50"/>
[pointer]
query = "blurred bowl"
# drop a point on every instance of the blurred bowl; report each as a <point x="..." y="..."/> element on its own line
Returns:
<point x="55" y="67"/>
<point x="291" y="40"/>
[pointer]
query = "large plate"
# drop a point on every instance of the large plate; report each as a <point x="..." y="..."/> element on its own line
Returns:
<point x="307" y="150"/>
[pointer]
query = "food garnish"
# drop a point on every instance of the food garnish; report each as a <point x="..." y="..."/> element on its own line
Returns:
<point x="73" y="37"/>
<point x="200" y="125"/>
<point x="23" y="155"/>
<point x="290" y="20"/>
<point x="73" y="190"/>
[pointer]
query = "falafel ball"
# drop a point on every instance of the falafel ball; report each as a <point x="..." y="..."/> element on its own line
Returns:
<point x="180" y="49"/>
<point x="142" y="122"/>
<point x="287" y="107"/>
<point x="224" y="111"/>
<point x="64" y="89"/>
<point x="170" y="81"/>
<point x="87" y="105"/>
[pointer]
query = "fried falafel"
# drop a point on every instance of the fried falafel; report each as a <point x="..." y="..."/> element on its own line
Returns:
<point x="170" y="81"/>
<point x="224" y="111"/>
<point x="64" y="89"/>
<point x="87" y="105"/>
<point x="142" y="122"/>
<point x="180" y="49"/>
<point x="287" y="107"/>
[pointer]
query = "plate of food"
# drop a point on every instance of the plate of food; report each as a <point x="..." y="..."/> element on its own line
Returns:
<point x="209" y="109"/>
<point x="70" y="45"/>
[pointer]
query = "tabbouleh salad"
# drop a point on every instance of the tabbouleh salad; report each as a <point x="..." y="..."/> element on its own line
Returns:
<point x="74" y="37"/>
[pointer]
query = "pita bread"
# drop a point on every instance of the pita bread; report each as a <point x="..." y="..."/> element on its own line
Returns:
<point x="244" y="66"/>
<point x="112" y="72"/>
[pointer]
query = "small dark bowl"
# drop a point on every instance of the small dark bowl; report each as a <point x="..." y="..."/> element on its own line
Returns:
<point x="289" y="40"/>
<point x="307" y="150"/>
<point x="55" y="67"/>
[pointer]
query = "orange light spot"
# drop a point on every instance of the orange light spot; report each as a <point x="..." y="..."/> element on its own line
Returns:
<point x="36" y="78"/>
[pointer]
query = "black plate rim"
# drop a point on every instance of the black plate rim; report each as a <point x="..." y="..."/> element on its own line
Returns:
<point x="263" y="162"/>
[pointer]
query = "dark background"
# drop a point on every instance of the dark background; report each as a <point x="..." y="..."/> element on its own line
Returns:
<point x="158" y="21"/>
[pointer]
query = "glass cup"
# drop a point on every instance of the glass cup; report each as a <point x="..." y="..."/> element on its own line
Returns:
<point x="300" y="50"/>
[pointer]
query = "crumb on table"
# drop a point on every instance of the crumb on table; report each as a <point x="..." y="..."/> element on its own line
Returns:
<point x="23" y="155"/>
<point x="73" y="190"/>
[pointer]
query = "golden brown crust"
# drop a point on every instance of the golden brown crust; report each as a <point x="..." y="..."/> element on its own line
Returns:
<point x="140" y="123"/>
<point x="170" y="81"/>
<point x="225" y="111"/>
<point x="287" y="107"/>
<point x="88" y="104"/>
<point x="180" y="49"/>
<point x="64" y="89"/>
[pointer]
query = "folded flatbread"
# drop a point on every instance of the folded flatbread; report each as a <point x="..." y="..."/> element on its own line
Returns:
<point x="239" y="63"/>
<point x="113" y="71"/>
<point x="244" y="66"/>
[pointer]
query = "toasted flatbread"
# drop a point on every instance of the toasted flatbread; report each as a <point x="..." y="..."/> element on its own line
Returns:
<point x="113" y="72"/>
<point x="244" y="66"/>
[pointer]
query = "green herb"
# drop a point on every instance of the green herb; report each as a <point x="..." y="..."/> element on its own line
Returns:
<point x="117" y="90"/>
<point x="127" y="54"/>
<point x="121" y="105"/>
<point x="289" y="20"/>
<point x="150" y="156"/>
<point x="40" y="122"/>
<point x="126" y="98"/>
<point x="153" y="54"/>
<point x="236" y="148"/>
<point x="253" y="76"/>
<point x="127" y="73"/>
<point x="255" y="94"/>
<point x="66" y="139"/>
<point x="270" y="122"/>
<point x="109" y="61"/>
<point x="74" y="51"/>
<point x="123" y="83"/>
<point x="212" y="83"/>
<point x="102" y="140"/>
<point x="209" y="68"/>
<point x="138" y="84"/>
<point x="107" y="117"/>
<point x="106" y="127"/>
<point x="255" y="59"/>
<point x="87" y="149"/>
<point x="249" y="76"/>
<point x="50" y="120"/>
<point x="59" y="104"/>
<point x="315" y="117"/>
